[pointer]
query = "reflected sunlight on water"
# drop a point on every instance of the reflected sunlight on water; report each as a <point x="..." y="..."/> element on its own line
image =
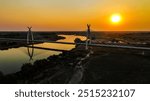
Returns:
<point x="11" y="60"/>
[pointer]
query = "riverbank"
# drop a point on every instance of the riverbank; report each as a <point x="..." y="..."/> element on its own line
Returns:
<point x="55" y="69"/>
<point x="95" y="66"/>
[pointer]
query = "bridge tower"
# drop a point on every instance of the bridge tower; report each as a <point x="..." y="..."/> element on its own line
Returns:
<point x="30" y="37"/>
<point x="88" y="36"/>
<point x="30" y="41"/>
<point x="89" y="33"/>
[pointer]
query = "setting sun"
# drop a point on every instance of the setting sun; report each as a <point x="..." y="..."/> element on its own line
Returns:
<point x="54" y="15"/>
<point x="116" y="18"/>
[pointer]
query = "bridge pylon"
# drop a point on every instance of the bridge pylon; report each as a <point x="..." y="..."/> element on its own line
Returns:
<point x="88" y="36"/>
<point x="30" y="37"/>
<point x="30" y="41"/>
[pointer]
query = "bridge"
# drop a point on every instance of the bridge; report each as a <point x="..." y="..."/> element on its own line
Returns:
<point x="50" y="49"/>
<point x="88" y="42"/>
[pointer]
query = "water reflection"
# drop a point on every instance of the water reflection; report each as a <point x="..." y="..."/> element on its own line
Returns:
<point x="11" y="60"/>
<point x="30" y="51"/>
<point x="71" y="38"/>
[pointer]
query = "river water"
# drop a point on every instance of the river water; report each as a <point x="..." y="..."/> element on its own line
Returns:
<point x="11" y="60"/>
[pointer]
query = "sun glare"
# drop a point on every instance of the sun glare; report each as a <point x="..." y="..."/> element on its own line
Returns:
<point x="115" y="18"/>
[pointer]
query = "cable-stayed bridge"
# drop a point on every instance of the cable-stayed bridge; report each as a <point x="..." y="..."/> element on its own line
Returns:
<point x="88" y="42"/>
<point x="31" y="40"/>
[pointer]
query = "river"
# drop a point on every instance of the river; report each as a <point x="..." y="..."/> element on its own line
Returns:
<point x="11" y="60"/>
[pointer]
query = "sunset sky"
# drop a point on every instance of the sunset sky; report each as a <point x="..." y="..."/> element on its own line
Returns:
<point x="53" y="15"/>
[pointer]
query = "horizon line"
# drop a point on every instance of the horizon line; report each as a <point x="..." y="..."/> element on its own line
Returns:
<point x="76" y="31"/>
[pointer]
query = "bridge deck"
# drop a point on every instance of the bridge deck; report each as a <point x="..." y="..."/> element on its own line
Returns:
<point x="51" y="49"/>
<point x="94" y="45"/>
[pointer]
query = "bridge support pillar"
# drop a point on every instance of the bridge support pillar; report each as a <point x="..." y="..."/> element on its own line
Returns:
<point x="86" y="47"/>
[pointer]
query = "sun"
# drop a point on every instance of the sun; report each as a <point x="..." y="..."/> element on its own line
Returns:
<point x="116" y="18"/>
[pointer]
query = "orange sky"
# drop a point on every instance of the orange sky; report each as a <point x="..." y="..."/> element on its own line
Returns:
<point x="53" y="15"/>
